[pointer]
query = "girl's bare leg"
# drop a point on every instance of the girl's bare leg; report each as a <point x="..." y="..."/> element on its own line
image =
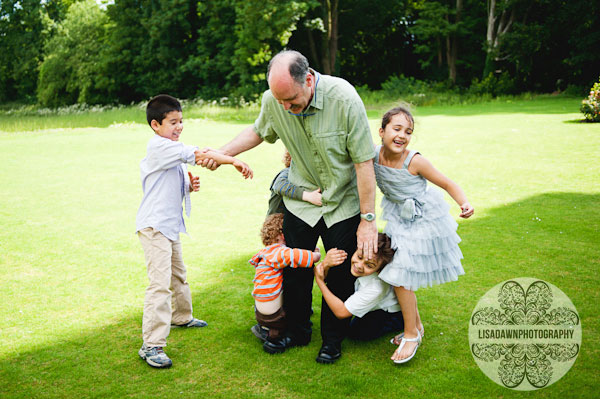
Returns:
<point x="397" y="338"/>
<point x="419" y="323"/>
<point x="408" y="303"/>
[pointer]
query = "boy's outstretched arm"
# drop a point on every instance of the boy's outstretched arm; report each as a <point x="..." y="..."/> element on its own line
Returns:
<point x="333" y="258"/>
<point x="244" y="141"/>
<point x="242" y="167"/>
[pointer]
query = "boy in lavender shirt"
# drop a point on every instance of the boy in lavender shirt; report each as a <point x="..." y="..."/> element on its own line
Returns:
<point x="166" y="183"/>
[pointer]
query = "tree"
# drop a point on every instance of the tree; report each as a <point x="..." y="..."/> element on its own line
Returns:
<point x="73" y="61"/>
<point x="438" y="30"/>
<point x="210" y="65"/>
<point x="374" y="41"/>
<point x="320" y="31"/>
<point x="330" y="35"/>
<point x="546" y="44"/>
<point x="501" y="16"/>
<point x="24" y="30"/>
<point x="271" y="26"/>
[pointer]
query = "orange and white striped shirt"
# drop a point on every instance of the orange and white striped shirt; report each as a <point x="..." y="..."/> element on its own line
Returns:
<point x="268" y="279"/>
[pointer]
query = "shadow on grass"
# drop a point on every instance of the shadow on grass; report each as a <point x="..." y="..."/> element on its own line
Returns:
<point x="551" y="236"/>
<point x="577" y="121"/>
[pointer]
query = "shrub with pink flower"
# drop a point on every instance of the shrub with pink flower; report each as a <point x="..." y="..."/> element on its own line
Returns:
<point x="590" y="107"/>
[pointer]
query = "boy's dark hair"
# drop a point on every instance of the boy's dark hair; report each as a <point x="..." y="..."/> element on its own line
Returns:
<point x="159" y="106"/>
<point x="271" y="229"/>
<point x="385" y="253"/>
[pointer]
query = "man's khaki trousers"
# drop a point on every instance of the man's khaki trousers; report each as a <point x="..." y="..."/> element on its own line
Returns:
<point x="168" y="297"/>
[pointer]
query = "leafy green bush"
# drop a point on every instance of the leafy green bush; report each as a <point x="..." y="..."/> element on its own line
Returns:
<point x="590" y="107"/>
<point x="403" y="85"/>
<point x="494" y="85"/>
<point x="575" y="90"/>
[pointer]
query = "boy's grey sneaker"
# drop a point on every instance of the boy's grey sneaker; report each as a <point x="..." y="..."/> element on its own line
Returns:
<point x="155" y="356"/>
<point x="192" y="323"/>
<point x="261" y="332"/>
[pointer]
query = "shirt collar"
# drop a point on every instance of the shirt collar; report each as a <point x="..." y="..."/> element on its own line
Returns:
<point x="317" y="100"/>
<point x="365" y="280"/>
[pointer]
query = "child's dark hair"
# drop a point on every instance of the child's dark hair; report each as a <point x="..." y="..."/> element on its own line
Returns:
<point x="271" y="229"/>
<point x="401" y="109"/>
<point x="159" y="106"/>
<point x="385" y="253"/>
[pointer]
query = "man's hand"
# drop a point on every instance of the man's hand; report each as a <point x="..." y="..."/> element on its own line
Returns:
<point x="243" y="168"/>
<point x="314" y="197"/>
<point x="366" y="239"/>
<point x="205" y="162"/>
<point x="194" y="182"/>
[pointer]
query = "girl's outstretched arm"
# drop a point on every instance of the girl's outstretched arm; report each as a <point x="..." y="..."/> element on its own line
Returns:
<point x="420" y="165"/>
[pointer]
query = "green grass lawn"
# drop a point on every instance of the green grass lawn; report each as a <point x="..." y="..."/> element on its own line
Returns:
<point x="73" y="274"/>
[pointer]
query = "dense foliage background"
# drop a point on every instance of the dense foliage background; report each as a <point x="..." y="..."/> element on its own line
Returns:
<point x="59" y="52"/>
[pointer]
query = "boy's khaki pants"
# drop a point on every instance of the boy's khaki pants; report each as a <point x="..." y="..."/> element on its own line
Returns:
<point x="165" y="270"/>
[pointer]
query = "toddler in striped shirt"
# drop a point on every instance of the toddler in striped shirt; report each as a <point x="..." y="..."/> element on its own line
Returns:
<point x="268" y="279"/>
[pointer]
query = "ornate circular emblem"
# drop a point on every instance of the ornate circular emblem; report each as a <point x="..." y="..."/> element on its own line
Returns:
<point x="525" y="334"/>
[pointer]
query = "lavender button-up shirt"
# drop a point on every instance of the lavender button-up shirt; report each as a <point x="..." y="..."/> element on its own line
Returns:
<point x="164" y="181"/>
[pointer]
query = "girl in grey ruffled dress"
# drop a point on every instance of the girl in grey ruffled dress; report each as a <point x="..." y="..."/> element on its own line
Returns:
<point x="422" y="231"/>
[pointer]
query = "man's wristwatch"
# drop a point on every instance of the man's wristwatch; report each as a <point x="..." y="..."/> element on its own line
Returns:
<point x="369" y="217"/>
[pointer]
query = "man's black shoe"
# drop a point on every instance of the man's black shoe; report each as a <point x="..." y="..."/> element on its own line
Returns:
<point x="328" y="354"/>
<point x="280" y="345"/>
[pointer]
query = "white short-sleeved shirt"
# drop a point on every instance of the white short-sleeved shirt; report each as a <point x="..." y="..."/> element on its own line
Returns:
<point x="372" y="293"/>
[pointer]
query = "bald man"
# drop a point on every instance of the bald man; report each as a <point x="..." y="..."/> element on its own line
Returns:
<point x="322" y="122"/>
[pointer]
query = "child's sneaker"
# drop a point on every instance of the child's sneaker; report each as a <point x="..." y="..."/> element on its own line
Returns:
<point x="261" y="332"/>
<point x="192" y="323"/>
<point x="155" y="356"/>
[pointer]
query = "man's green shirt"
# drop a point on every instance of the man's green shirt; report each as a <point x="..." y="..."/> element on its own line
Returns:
<point x="325" y="142"/>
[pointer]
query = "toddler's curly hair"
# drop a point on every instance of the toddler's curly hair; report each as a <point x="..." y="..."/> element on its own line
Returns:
<point x="271" y="229"/>
<point x="287" y="158"/>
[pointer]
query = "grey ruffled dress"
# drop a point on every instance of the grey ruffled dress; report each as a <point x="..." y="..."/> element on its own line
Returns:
<point x="420" y="227"/>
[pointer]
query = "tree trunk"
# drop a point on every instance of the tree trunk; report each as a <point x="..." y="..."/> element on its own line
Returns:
<point x="313" y="49"/>
<point x="333" y="36"/>
<point x="490" y="39"/>
<point x="330" y="37"/>
<point x="495" y="32"/>
<point x="452" y="42"/>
